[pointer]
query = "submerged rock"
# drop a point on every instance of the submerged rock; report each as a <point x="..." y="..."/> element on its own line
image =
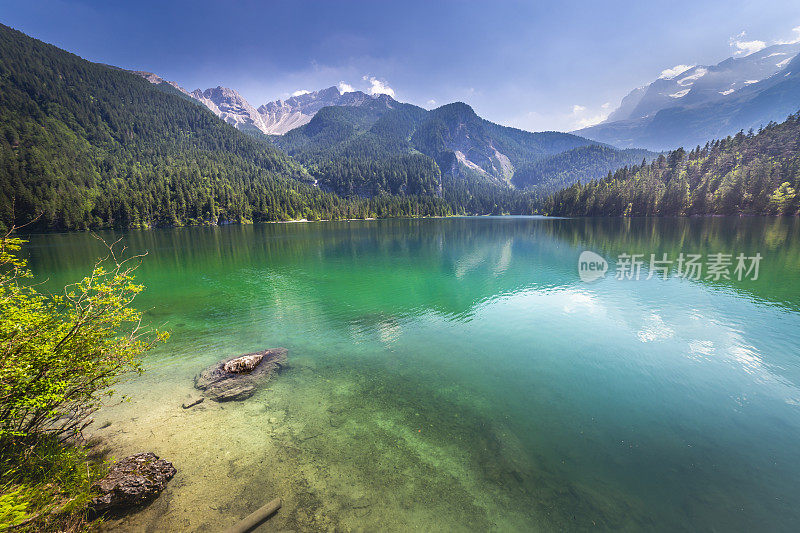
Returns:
<point x="244" y="363"/>
<point x="239" y="377"/>
<point x="132" y="481"/>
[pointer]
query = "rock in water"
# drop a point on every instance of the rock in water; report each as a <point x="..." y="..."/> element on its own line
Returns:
<point x="239" y="377"/>
<point x="132" y="481"/>
<point x="245" y="363"/>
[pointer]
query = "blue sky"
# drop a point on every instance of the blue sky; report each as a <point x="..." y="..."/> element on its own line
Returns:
<point x="535" y="65"/>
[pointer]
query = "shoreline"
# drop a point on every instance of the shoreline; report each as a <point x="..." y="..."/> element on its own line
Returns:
<point x="304" y="220"/>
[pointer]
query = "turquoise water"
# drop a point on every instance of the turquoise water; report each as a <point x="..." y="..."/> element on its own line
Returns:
<point x="456" y="374"/>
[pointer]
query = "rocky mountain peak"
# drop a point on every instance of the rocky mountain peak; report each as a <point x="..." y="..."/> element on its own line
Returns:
<point x="277" y="117"/>
<point x="231" y="107"/>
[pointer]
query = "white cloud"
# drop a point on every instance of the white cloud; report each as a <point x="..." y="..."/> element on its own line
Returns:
<point x="746" y="47"/>
<point x="796" y="38"/>
<point x="677" y="70"/>
<point x="783" y="63"/>
<point x="750" y="82"/>
<point x="300" y="92"/>
<point x="377" y="86"/>
<point x="749" y="47"/>
<point x="345" y="88"/>
<point x="583" y="118"/>
<point x="726" y="92"/>
<point x="777" y="54"/>
<point x="431" y="102"/>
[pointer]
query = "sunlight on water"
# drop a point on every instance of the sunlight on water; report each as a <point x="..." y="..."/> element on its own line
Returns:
<point x="457" y="375"/>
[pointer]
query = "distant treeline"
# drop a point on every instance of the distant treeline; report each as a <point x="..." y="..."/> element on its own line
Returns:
<point x="749" y="173"/>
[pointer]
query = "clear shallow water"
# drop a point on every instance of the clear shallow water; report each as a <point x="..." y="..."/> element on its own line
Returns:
<point x="457" y="375"/>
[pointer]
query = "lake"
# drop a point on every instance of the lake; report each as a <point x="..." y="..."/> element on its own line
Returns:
<point x="457" y="374"/>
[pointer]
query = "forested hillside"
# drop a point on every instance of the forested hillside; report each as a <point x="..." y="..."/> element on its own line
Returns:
<point x="562" y="170"/>
<point x="84" y="145"/>
<point x="756" y="174"/>
<point x="388" y="147"/>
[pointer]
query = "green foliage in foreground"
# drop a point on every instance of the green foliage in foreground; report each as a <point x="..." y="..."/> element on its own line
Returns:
<point x="45" y="485"/>
<point x="754" y="174"/>
<point x="59" y="357"/>
<point x="62" y="353"/>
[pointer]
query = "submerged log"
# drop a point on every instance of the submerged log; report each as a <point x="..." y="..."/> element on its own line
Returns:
<point x="255" y="519"/>
<point x="237" y="378"/>
<point x="191" y="403"/>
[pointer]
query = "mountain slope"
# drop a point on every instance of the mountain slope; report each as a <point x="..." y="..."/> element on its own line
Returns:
<point x="757" y="174"/>
<point x="579" y="164"/>
<point x="715" y="103"/>
<point x="357" y="150"/>
<point x="231" y="107"/>
<point x="461" y="141"/>
<point x="83" y="145"/>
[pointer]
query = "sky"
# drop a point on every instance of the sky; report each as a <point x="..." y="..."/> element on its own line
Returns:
<point x="554" y="65"/>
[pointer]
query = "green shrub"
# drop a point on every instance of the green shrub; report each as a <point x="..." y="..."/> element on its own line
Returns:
<point x="60" y="356"/>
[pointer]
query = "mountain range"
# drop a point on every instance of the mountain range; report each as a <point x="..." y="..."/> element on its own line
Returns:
<point x="85" y="145"/>
<point x="687" y="106"/>
<point x="272" y="118"/>
<point x="377" y="126"/>
<point x="344" y="147"/>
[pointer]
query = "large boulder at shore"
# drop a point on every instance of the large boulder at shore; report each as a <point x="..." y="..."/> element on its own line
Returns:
<point x="132" y="481"/>
<point x="237" y="378"/>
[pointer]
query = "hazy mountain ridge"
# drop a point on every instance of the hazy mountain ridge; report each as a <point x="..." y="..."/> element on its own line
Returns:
<point x="704" y="83"/>
<point x="579" y="164"/>
<point x="705" y="102"/>
<point x="231" y="107"/>
<point x="282" y="116"/>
